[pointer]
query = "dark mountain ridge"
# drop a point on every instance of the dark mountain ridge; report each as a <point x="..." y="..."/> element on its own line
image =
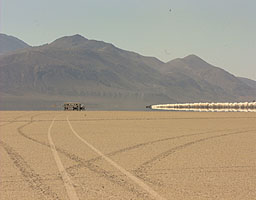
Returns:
<point x="207" y="75"/>
<point x="10" y="44"/>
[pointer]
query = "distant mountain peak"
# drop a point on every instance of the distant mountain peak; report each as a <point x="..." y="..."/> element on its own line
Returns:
<point x="70" y="41"/>
<point x="193" y="57"/>
<point x="196" y="61"/>
<point x="77" y="37"/>
<point x="9" y="43"/>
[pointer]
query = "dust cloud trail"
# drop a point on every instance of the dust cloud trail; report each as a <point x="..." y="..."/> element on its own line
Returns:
<point x="208" y="107"/>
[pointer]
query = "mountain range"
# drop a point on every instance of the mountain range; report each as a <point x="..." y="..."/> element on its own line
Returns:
<point x="102" y="76"/>
<point x="9" y="43"/>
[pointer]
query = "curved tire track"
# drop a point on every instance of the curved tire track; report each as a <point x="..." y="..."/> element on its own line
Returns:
<point x="129" y="175"/>
<point x="76" y="167"/>
<point x="89" y="165"/>
<point x="32" y="178"/>
<point x="69" y="186"/>
<point x="141" y="171"/>
<point x="108" y="175"/>
<point x="13" y="120"/>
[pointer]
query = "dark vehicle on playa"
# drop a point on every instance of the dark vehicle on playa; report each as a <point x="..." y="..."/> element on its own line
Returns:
<point x="73" y="106"/>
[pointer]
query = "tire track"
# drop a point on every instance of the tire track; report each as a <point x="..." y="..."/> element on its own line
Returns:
<point x="71" y="192"/>
<point x="76" y="167"/>
<point x="140" y="119"/>
<point x="31" y="177"/>
<point x="13" y="120"/>
<point x="141" y="171"/>
<point x="89" y="165"/>
<point x="15" y="178"/>
<point x="200" y="170"/>
<point x="34" y="180"/>
<point x="129" y="175"/>
<point x="96" y="169"/>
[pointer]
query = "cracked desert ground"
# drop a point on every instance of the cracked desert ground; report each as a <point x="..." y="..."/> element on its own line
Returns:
<point x="127" y="155"/>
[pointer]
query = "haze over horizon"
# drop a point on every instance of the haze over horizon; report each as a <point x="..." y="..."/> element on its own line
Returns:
<point x="222" y="33"/>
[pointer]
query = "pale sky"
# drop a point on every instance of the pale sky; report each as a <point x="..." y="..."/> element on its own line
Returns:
<point x="222" y="32"/>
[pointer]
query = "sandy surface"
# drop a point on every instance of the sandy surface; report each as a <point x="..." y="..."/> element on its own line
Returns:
<point x="127" y="155"/>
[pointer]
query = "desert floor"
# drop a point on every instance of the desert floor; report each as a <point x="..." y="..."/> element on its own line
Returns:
<point x="127" y="155"/>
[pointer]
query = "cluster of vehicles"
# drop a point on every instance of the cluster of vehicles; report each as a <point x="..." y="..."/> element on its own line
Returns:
<point x="74" y="106"/>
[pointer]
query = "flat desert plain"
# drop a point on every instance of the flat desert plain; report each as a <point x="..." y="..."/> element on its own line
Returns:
<point x="127" y="155"/>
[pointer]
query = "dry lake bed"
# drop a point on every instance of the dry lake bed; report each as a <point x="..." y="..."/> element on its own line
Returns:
<point x="127" y="155"/>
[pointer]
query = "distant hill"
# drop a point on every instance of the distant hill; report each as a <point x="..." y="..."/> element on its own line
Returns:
<point x="208" y="80"/>
<point x="249" y="82"/>
<point x="10" y="43"/>
<point x="73" y="68"/>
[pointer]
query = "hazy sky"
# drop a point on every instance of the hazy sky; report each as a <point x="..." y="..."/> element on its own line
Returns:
<point x="223" y="32"/>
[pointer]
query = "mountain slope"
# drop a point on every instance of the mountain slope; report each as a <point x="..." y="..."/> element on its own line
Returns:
<point x="94" y="63"/>
<point x="73" y="68"/>
<point x="208" y="77"/>
<point x="10" y="43"/>
<point x="249" y="82"/>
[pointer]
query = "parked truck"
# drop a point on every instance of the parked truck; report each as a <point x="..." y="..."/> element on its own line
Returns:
<point x="69" y="106"/>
